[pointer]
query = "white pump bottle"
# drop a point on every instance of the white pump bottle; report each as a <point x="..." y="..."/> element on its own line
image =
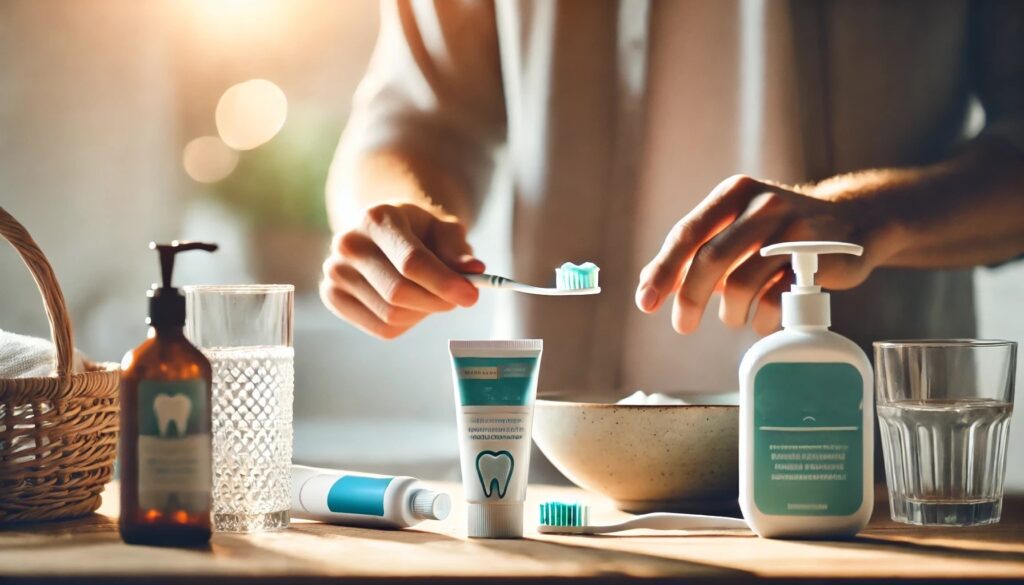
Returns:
<point x="806" y="416"/>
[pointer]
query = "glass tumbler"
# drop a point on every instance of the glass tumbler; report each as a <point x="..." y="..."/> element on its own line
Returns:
<point x="246" y="333"/>
<point x="944" y="411"/>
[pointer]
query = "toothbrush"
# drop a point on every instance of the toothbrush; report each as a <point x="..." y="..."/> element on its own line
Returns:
<point x="562" y="518"/>
<point x="570" y="280"/>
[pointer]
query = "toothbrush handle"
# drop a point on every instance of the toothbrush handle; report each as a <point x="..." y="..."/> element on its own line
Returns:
<point x="666" y="521"/>
<point x="495" y="281"/>
<point x="487" y="280"/>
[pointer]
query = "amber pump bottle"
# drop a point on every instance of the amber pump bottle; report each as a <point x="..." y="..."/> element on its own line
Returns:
<point x="165" y="449"/>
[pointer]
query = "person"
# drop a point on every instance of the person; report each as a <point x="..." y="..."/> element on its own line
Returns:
<point x="618" y="122"/>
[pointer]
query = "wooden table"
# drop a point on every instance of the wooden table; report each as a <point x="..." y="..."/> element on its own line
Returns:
<point x="90" y="551"/>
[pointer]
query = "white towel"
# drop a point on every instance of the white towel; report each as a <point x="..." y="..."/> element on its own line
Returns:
<point x="22" y="356"/>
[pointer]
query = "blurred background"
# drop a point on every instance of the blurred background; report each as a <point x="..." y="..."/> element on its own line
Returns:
<point x="125" y="121"/>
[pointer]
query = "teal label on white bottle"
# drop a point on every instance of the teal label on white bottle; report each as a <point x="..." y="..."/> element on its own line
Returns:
<point x="808" y="439"/>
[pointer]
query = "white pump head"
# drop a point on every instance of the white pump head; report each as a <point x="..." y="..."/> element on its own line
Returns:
<point x="805" y="304"/>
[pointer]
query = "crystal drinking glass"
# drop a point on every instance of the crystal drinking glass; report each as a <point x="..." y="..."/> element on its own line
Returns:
<point x="944" y="411"/>
<point x="246" y="333"/>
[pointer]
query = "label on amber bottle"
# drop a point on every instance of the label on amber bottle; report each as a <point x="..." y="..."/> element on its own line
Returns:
<point x="174" y="446"/>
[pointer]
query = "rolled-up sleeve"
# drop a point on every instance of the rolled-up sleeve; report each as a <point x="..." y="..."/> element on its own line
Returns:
<point x="432" y="91"/>
<point x="997" y="67"/>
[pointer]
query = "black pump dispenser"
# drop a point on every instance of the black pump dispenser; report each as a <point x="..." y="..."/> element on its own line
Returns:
<point x="166" y="303"/>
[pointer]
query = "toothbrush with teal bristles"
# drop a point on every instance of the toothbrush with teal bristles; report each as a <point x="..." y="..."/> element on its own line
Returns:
<point x="570" y="280"/>
<point x="566" y="518"/>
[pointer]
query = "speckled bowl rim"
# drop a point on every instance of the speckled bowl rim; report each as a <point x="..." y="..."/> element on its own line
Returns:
<point x="609" y="406"/>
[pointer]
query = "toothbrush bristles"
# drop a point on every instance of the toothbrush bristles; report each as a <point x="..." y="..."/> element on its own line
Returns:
<point x="564" y="514"/>
<point x="572" y="277"/>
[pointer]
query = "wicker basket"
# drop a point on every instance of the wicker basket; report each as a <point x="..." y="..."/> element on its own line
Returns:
<point x="58" y="435"/>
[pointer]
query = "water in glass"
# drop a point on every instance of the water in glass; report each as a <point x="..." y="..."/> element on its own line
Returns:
<point x="945" y="459"/>
<point x="252" y="436"/>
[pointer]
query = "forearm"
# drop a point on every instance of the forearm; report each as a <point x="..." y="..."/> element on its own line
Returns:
<point x="965" y="211"/>
<point x="391" y="176"/>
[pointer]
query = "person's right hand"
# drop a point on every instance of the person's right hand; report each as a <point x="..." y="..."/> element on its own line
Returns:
<point x="399" y="264"/>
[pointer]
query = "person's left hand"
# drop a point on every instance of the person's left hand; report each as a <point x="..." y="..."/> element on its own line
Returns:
<point x="715" y="247"/>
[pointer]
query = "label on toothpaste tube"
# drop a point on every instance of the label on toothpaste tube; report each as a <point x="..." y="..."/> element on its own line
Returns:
<point x="500" y="449"/>
<point x="354" y="494"/>
<point x="495" y="381"/>
<point x="496" y="415"/>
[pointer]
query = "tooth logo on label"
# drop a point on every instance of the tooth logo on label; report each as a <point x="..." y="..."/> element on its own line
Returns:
<point x="495" y="471"/>
<point x="172" y="409"/>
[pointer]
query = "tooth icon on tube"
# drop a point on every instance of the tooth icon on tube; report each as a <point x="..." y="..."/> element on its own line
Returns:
<point x="495" y="471"/>
<point x="172" y="409"/>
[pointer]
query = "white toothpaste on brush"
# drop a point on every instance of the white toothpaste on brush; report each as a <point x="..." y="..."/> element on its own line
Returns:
<point x="495" y="390"/>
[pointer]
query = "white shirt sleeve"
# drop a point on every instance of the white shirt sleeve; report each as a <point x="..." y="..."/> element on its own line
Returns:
<point x="433" y="91"/>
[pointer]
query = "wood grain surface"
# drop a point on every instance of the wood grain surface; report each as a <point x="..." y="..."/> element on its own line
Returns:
<point x="90" y="551"/>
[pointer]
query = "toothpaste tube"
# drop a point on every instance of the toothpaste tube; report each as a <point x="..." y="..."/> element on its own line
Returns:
<point x="364" y="499"/>
<point x="495" y="390"/>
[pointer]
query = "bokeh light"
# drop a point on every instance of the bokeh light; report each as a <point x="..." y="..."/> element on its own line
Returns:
<point x="235" y="25"/>
<point x="208" y="160"/>
<point x="251" y="113"/>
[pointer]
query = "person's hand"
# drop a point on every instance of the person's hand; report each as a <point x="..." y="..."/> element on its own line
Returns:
<point x="399" y="264"/>
<point x="715" y="247"/>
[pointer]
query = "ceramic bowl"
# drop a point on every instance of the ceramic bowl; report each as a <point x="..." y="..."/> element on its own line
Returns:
<point x="644" y="457"/>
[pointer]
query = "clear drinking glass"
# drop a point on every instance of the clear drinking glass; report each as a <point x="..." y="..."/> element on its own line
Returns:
<point x="944" y="411"/>
<point x="246" y="333"/>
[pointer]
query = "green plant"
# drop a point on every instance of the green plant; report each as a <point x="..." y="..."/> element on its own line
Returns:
<point x="281" y="183"/>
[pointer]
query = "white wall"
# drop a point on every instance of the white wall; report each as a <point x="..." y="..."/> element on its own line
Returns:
<point x="1000" y="297"/>
<point x="87" y="159"/>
